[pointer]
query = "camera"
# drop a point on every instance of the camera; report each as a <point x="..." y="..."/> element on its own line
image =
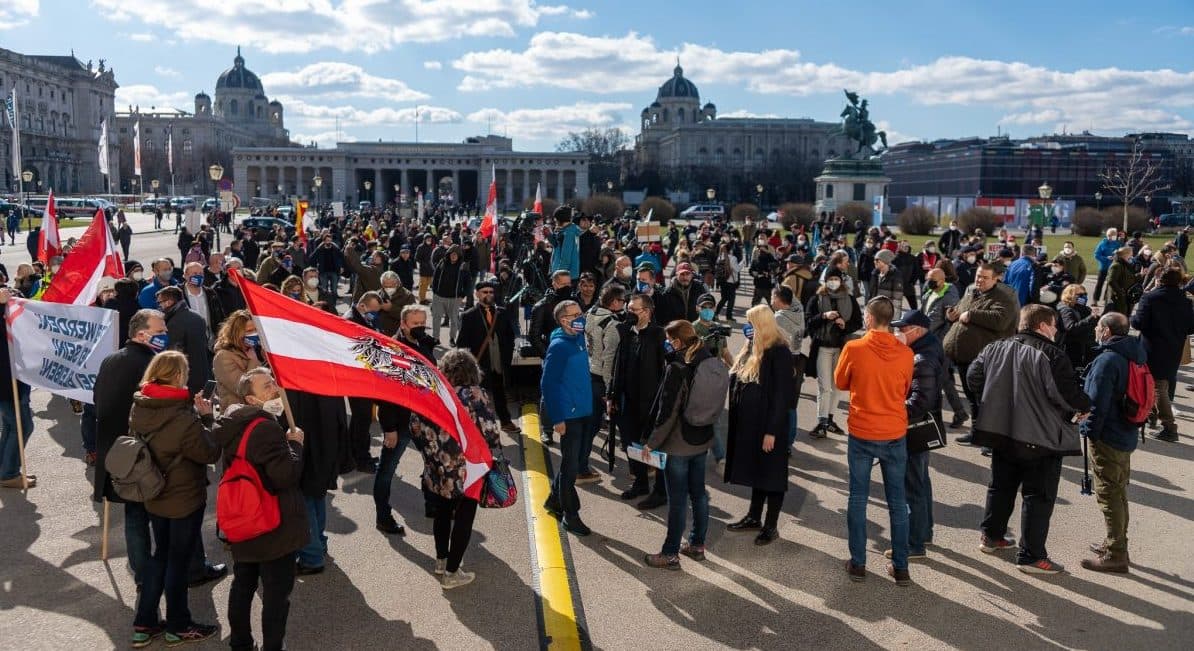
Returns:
<point x="716" y="332"/>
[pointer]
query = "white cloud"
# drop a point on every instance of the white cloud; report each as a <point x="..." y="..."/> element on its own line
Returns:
<point x="147" y="95"/>
<point x="141" y="37"/>
<point x="346" y="25"/>
<point x="321" y="117"/>
<point x="743" y="113"/>
<point x="166" y="72"/>
<point x="561" y="10"/>
<point x="16" y="13"/>
<point x="432" y="65"/>
<point x="339" y="79"/>
<point x="553" y="122"/>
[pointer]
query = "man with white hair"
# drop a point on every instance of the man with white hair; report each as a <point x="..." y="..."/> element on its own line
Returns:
<point x="394" y="297"/>
<point x="202" y="300"/>
<point x="1105" y="254"/>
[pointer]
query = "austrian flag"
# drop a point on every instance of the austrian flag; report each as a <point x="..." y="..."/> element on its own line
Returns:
<point x="313" y="351"/>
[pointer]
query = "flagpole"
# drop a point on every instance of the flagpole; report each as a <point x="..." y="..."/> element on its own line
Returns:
<point x="104" y="539"/>
<point x="16" y="403"/>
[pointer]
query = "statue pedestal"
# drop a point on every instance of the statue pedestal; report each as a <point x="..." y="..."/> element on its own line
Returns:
<point x="846" y="180"/>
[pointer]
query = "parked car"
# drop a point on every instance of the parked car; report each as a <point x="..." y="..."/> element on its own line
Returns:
<point x="210" y="205"/>
<point x="365" y="205"/>
<point x="703" y="211"/>
<point x="265" y="226"/>
<point x="149" y="205"/>
<point x="1176" y="220"/>
<point x="186" y="203"/>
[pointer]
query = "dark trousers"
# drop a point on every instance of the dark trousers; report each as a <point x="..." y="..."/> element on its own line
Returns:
<point x="910" y="295"/>
<point x="495" y="383"/>
<point x="87" y="427"/>
<point x="594" y="424"/>
<point x="963" y="369"/>
<point x="358" y="429"/>
<point x="174" y="541"/>
<point x="1098" y="293"/>
<point x="728" y="294"/>
<point x="277" y="581"/>
<point x="629" y="427"/>
<point x="563" y="486"/>
<point x="385" y="474"/>
<point x="775" y="504"/>
<point x="760" y="292"/>
<point x="1036" y="480"/>
<point x="453" y="527"/>
<point x="919" y="490"/>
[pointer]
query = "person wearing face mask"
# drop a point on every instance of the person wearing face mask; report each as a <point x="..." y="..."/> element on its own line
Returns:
<point x="679" y="301"/>
<point x="133" y="271"/>
<point x="567" y="405"/>
<point x="1055" y="282"/>
<point x="189" y="334"/>
<point x="1165" y="319"/>
<point x="311" y="292"/>
<point x="163" y="276"/>
<point x="1074" y="265"/>
<point x="540" y="326"/>
<point x="637" y="371"/>
<point x="447" y="290"/>
<point x="363" y="313"/>
<point x="202" y="300"/>
<point x="951" y="240"/>
<point x="394" y="299"/>
<point x="250" y="429"/>
<point x="404" y="266"/>
<point x="832" y="316"/>
<point x="965" y="268"/>
<point x="1031" y="399"/>
<point x="487" y="331"/>
<point x="237" y="352"/>
<point x="1078" y="323"/>
<point x="938" y="298"/>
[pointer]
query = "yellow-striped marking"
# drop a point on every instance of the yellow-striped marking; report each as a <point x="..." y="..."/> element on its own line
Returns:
<point x="559" y="614"/>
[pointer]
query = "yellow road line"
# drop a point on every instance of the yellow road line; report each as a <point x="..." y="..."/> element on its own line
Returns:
<point x="560" y="631"/>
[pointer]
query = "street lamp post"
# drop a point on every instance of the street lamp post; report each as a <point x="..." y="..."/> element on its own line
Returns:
<point x="216" y="172"/>
<point x="154" y="184"/>
<point x="609" y="186"/>
<point x="27" y="177"/>
<point x="759" y="194"/>
<point x="1099" y="201"/>
<point x="397" y="192"/>
<point x="318" y="181"/>
<point x="368" y="189"/>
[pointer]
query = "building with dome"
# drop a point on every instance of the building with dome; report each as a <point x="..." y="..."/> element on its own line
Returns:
<point x="690" y="148"/>
<point x="241" y="115"/>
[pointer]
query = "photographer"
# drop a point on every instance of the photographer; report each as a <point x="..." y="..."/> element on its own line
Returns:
<point x="712" y="334"/>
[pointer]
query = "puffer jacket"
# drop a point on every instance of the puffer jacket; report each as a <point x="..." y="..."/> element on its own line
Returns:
<point x="601" y="338"/>
<point x="279" y="463"/>
<point x="993" y="315"/>
<point x="178" y="432"/>
<point x="1106" y="384"/>
<point x="890" y="284"/>
<point x="1029" y="393"/>
<point x="928" y="362"/>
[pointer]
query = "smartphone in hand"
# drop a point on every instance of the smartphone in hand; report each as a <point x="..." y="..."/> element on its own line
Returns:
<point x="209" y="390"/>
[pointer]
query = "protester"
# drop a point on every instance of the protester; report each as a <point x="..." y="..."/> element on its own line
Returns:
<point x="10" y="458"/>
<point x="761" y="393"/>
<point x="487" y="331"/>
<point x="447" y="287"/>
<point x="565" y="253"/>
<point x="1074" y="265"/>
<point x="176" y="428"/>
<point x="833" y="316"/>
<point x="1078" y="323"/>
<point x="923" y="401"/>
<point x="1112" y="437"/>
<point x="363" y="313"/>
<point x="1030" y="396"/>
<point x="727" y="271"/>
<point x="267" y="559"/>
<point x="237" y="348"/>
<point x="887" y="280"/>
<point x="601" y="340"/>
<point x="568" y="404"/>
<point x="163" y="276"/>
<point x="877" y="371"/>
<point x="1021" y="275"/>
<point x="637" y="373"/>
<point x="685" y="446"/>
<point x="1165" y="319"/>
<point x="394" y="297"/>
<point x="1120" y="279"/>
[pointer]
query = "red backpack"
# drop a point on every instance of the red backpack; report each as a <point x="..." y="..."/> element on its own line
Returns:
<point x="244" y="508"/>
<point x="1141" y="395"/>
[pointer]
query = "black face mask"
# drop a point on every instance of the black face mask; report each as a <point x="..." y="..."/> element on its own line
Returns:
<point x="931" y="284"/>
<point x="564" y="293"/>
<point x="419" y="333"/>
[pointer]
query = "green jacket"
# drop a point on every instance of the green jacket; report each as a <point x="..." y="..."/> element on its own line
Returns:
<point x="994" y="315"/>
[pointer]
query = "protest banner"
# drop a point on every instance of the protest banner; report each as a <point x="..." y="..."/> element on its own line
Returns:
<point x="59" y="347"/>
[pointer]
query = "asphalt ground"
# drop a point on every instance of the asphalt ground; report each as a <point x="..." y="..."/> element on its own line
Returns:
<point x="378" y="592"/>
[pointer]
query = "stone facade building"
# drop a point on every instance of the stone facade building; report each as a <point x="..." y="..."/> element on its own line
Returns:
<point x="394" y="169"/>
<point x="61" y="102"/>
<point x="241" y="116"/>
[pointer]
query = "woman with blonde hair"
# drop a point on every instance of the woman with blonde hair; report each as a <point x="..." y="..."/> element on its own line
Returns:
<point x="761" y="393"/>
<point x="236" y="354"/>
<point x="292" y="287"/>
<point x="176" y="429"/>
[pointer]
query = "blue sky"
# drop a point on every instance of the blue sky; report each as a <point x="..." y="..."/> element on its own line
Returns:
<point x="538" y="70"/>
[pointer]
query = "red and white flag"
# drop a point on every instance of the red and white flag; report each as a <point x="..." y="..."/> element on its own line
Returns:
<point x="538" y="207"/>
<point x="313" y="351"/>
<point x="489" y="223"/>
<point x="92" y="258"/>
<point x="48" y="242"/>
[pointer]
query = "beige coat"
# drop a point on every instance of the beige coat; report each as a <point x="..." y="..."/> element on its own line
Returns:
<point x="228" y="366"/>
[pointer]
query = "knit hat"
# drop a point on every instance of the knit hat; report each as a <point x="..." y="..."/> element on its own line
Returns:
<point x="885" y="256"/>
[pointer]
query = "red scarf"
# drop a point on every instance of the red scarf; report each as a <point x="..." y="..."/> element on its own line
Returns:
<point x="164" y="392"/>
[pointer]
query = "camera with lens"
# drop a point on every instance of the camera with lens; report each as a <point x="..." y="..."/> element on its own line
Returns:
<point x="716" y="332"/>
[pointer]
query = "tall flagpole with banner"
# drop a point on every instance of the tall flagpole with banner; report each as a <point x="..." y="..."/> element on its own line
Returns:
<point x="170" y="155"/>
<point x="137" y="153"/>
<point x="103" y="154"/>
<point x="14" y="118"/>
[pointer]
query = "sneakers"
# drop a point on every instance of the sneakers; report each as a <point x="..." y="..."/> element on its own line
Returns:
<point x="662" y="561"/>
<point x="1043" y="566"/>
<point x="1106" y="563"/>
<point x="990" y="545"/>
<point x="912" y="556"/>
<point x="857" y="573"/>
<point x="143" y="636"/>
<point x="192" y="633"/>
<point x="1167" y="435"/>
<point x="695" y="552"/>
<point x="745" y="524"/>
<point x="820" y="431"/>
<point x="456" y="579"/>
<point x="902" y="578"/>
<point x="441" y="566"/>
<point x="833" y="428"/>
<point x="590" y="477"/>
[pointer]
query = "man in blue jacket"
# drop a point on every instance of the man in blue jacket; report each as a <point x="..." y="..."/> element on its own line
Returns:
<point x="568" y="403"/>
<point x="1021" y="275"/>
<point x="1112" y="438"/>
<point x="1105" y="255"/>
<point x="163" y="276"/>
<point x="566" y="243"/>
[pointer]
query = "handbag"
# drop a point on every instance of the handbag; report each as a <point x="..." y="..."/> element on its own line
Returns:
<point x="498" y="490"/>
<point x="925" y="434"/>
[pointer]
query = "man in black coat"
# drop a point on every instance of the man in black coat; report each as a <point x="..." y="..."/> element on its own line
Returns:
<point x="1165" y="320"/>
<point x="188" y="335"/>
<point x="364" y="313"/>
<point x="590" y="245"/>
<point x="638" y="370"/>
<point x="679" y="302"/>
<point x="542" y="322"/>
<point x="488" y="333"/>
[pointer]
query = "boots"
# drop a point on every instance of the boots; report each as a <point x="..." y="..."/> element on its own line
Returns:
<point x="1107" y="563"/>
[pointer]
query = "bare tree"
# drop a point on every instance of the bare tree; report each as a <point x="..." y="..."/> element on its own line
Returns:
<point x="1139" y="176"/>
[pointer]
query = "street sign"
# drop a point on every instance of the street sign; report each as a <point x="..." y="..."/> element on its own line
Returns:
<point x="225" y="184"/>
<point x="229" y="201"/>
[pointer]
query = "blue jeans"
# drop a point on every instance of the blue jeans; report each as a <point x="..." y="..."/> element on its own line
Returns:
<point x="10" y="452"/>
<point x="720" y="429"/>
<point x="893" y="458"/>
<point x="87" y="427"/>
<point x="685" y="477"/>
<point x="136" y="538"/>
<point x="920" y="502"/>
<point x="563" y="487"/>
<point x="311" y="555"/>
<point x="174" y="543"/>
<point x="385" y="474"/>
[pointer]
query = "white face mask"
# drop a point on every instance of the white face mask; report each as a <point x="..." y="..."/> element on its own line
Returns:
<point x="312" y="283"/>
<point x="624" y="272"/>
<point x="1068" y="251"/>
<point x="833" y="285"/>
<point x="970" y="259"/>
<point x="137" y="275"/>
<point x="390" y="290"/>
<point x="273" y="407"/>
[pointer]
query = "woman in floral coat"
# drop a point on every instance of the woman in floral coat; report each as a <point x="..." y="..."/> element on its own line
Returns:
<point x="444" y="466"/>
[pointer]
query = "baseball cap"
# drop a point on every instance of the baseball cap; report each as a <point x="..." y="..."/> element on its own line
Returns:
<point x="706" y="298"/>
<point x="912" y="318"/>
<point x="645" y="266"/>
<point x="684" y="267"/>
<point x="796" y="258"/>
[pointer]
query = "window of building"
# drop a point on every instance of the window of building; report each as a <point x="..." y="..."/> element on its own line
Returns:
<point x="232" y="107"/>
<point x="828" y="190"/>
<point x="186" y="148"/>
<point x="860" y="191"/>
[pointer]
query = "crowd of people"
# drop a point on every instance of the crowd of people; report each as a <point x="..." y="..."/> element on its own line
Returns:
<point x="634" y="344"/>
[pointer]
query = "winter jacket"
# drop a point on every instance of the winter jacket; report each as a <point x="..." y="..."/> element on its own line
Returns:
<point x="755" y="410"/>
<point x="823" y="332"/>
<point x="928" y="367"/>
<point x="279" y="464"/>
<point x="1021" y="277"/>
<point x="1165" y="319"/>
<point x="791" y="321"/>
<point x="1105" y="252"/>
<point x="890" y="284"/>
<point x="1120" y="279"/>
<point x="368" y="276"/>
<point x="443" y="459"/>
<point x="799" y="279"/>
<point x="448" y="278"/>
<point x="1107" y="384"/>
<point x="679" y="304"/>
<point x="1029" y="393"/>
<point x="934" y="304"/>
<point x="177" y="432"/>
<point x="877" y="371"/>
<point x="228" y="366"/>
<point x="327" y="259"/>
<point x="638" y="369"/>
<point x="666" y="419"/>
<point x="993" y="315"/>
<point x="188" y="335"/>
<point x="118" y="379"/>
<point x="1075" y="266"/>
<point x="390" y="315"/>
<point x="566" y="252"/>
<point x="1078" y="324"/>
<point x="589" y="249"/>
<point x="601" y="338"/>
<point x="564" y="384"/>
<point x="543" y="320"/>
<point x="423" y="259"/>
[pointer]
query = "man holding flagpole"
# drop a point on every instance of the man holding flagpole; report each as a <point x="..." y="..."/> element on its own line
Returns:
<point x="13" y="401"/>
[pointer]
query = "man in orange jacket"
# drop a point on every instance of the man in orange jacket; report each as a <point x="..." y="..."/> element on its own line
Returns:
<point x="877" y="371"/>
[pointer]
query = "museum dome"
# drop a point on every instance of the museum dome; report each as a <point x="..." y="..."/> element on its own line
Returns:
<point x="238" y="76"/>
<point x="678" y="86"/>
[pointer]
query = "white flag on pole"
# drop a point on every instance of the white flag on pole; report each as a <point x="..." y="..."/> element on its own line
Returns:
<point x="14" y="118"/>
<point x="170" y="150"/>
<point x="103" y="147"/>
<point x="59" y="347"/>
<point x="137" y="148"/>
